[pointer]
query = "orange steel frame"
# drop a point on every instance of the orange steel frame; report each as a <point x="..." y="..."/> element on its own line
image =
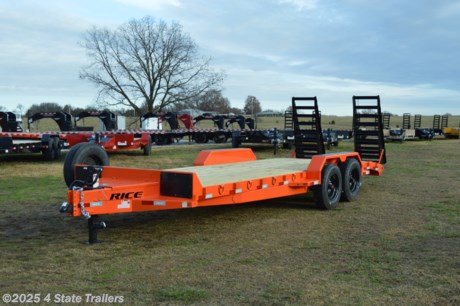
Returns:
<point x="123" y="190"/>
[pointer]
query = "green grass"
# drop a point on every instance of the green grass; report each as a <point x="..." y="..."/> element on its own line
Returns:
<point x="30" y="189"/>
<point x="185" y="295"/>
<point x="398" y="244"/>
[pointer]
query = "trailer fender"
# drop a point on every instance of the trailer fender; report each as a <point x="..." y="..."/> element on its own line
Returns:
<point x="318" y="162"/>
<point x="225" y="156"/>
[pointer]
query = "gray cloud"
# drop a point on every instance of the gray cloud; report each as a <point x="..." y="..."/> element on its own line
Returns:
<point x="405" y="51"/>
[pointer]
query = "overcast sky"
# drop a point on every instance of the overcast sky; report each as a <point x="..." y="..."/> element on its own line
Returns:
<point x="408" y="52"/>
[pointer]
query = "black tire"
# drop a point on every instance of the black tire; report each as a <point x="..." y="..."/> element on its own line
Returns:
<point x="50" y="154"/>
<point x="84" y="154"/>
<point x="57" y="148"/>
<point x="220" y="138"/>
<point x="147" y="149"/>
<point x="162" y="140"/>
<point x="236" y="141"/>
<point x="351" y="178"/>
<point x="327" y="195"/>
<point x="201" y="138"/>
<point x="159" y="141"/>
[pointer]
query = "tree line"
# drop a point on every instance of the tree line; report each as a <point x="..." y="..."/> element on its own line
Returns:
<point x="210" y="101"/>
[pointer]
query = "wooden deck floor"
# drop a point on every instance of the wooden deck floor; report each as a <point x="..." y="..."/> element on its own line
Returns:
<point x="236" y="172"/>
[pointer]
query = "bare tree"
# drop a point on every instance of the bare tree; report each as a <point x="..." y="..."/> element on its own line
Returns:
<point x="209" y="101"/>
<point x="213" y="100"/>
<point x="20" y="109"/>
<point x="147" y="65"/>
<point x="236" y="111"/>
<point x="252" y="105"/>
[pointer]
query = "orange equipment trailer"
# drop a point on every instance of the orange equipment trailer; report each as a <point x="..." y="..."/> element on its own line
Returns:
<point x="219" y="177"/>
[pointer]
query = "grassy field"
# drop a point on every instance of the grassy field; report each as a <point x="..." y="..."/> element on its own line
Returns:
<point x="398" y="244"/>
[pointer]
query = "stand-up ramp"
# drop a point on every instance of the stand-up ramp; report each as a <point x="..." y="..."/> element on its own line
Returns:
<point x="288" y="124"/>
<point x="417" y="121"/>
<point x="386" y="120"/>
<point x="406" y="121"/>
<point x="368" y="128"/>
<point x="307" y="127"/>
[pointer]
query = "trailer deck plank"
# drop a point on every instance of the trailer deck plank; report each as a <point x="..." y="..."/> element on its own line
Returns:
<point x="236" y="172"/>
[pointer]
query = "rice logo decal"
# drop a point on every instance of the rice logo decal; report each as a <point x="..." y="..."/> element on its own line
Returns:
<point x="126" y="195"/>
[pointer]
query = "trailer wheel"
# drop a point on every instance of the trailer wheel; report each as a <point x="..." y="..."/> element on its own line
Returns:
<point x="327" y="195"/>
<point x="159" y="140"/>
<point x="57" y="148"/>
<point x="50" y="154"/>
<point x="236" y="139"/>
<point x="85" y="154"/>
<point x="201" y="138"/>
<point x="220" y="138"/>
<point x="351" y="177"/>
<point x="148" y="147"/>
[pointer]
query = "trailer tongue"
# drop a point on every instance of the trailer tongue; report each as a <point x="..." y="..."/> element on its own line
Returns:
<point x="218" y="177"/>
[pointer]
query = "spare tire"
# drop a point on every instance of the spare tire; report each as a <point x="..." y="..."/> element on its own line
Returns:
<point x="83" y="154"/>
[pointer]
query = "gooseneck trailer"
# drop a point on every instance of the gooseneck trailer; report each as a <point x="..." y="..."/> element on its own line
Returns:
<point x="228" y="176"/>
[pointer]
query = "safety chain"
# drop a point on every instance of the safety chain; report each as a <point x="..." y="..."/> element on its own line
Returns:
<point x="82" y="203"/>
